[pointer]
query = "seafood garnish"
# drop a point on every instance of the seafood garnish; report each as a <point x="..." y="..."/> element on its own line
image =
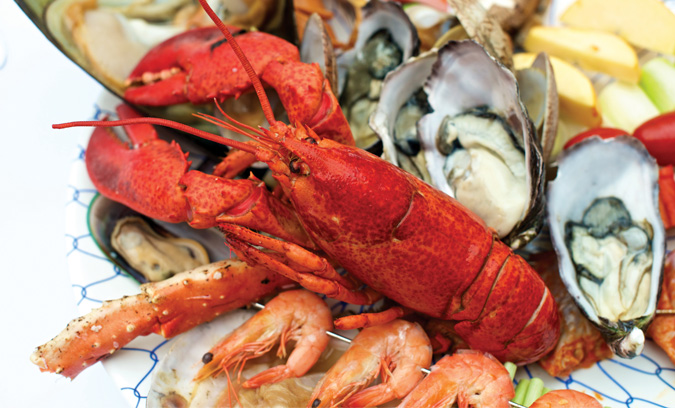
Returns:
<point x="662" y="329"/>
<point x="156" y="257"/>
<point x="468" y="379"/>
<point x="608" y="234"/>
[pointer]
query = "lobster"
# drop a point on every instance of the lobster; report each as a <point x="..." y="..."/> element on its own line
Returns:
<point x="401" y="237"/>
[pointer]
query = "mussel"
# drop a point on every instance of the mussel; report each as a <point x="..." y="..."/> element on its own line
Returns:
<point x="150" y="250"/>
<point x="607" y="231"/>
<point x="107" y="38"/>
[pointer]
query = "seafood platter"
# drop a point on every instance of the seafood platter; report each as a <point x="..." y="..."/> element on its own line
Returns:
<point x="352" y="203"/>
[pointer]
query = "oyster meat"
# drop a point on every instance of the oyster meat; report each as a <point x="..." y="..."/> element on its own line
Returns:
<point x="474" y="140"/>
<point x="607" y="232"/>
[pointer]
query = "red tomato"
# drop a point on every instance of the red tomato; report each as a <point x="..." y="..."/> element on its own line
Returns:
<point x="658" y="135"/>
<point x="604" y="133"/>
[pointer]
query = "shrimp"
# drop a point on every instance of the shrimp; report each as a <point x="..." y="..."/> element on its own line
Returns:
<point x="397" y="350"/>
<point x="297" y="315"/>
<point x="469" y="378"/>
<point x="565" y="399"/>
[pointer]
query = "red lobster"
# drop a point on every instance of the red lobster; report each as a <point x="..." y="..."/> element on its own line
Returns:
<point x="400" y="236"/>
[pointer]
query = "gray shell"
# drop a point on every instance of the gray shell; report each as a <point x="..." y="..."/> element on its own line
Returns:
<point x="458" y="77"/>
<point x="616" y="168"/>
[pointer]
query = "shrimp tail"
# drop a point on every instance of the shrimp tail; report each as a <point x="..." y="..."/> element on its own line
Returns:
<point x="370" y="397"/>
<point x="272" y="375"/>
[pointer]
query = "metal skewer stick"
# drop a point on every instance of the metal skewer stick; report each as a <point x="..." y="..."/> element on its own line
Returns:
<point x="348" y="340"/>
<point x="665" y="311"/>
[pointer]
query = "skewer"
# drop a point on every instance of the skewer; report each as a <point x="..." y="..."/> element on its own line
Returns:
<point x="334" y="335"/>
<point x="665" y="311"/>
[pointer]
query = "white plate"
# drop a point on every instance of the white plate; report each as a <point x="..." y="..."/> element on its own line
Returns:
<point x="646" y="381"/>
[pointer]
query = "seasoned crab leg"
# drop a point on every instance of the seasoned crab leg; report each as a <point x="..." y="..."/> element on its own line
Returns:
<point x="168" y="308"/>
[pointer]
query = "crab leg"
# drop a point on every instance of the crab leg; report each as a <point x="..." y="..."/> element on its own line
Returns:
<point x="168" y="308"/>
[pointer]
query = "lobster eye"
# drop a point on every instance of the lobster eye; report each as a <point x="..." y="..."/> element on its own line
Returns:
<point x="294" y="166"/>
<point x="298" y="167"/>
<point x="311" y="140"/>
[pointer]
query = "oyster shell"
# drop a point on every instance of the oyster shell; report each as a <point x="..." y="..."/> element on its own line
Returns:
<point x="385" y="40"/>
<point x="156" y="256"/>
<point x="476" y="142"/>
<point x="607" y="232"/>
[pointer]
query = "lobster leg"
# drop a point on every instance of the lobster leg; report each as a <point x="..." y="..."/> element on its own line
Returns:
<point x="371" y="319"/>
<point x="309" y="270"/>
<point x="168" y="308"/>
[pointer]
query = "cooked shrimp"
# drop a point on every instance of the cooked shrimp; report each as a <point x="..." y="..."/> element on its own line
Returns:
<point x="565" y="399"/>
<point x="294" y="315"/>
<point x="469" y="378"/>
<point x="397" y="350"/>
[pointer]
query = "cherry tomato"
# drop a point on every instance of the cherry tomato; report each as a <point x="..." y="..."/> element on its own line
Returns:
<point x="658" y="135"/>
<point x="604" y="133"/>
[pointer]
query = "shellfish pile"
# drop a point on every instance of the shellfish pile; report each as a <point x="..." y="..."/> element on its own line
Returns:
<point x="458" y="117"/>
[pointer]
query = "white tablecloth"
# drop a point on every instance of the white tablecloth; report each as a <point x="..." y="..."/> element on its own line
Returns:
<point x="38" y="86"/>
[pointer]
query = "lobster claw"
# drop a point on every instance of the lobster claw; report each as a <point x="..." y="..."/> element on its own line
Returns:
<point x="142" y="174"/>
<point x="160" y="78"/>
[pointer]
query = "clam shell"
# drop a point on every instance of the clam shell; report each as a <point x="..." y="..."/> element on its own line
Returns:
<point x="620" y="168"/>
<point x="361" y="92"/>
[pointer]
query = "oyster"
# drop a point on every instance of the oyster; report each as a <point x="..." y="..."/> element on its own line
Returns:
<point x="385" y="40"/>
<point x="607" y="232"/>
<point x="474" y="140"/>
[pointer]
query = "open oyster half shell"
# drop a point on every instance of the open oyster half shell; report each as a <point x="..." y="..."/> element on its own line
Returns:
<point x="454" y="118"/>
<point x="607" y="231"/>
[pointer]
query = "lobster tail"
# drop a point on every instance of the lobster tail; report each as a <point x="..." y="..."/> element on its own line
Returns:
<point x="518" y="315"/>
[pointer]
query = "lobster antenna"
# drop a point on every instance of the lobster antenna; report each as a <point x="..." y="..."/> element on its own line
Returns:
<point x="257" y="84"/>
<point x="166" y="123"/>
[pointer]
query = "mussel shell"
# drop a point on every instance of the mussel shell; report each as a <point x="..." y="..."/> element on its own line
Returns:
<point x="48" y="16"/>
<point x="595" y="168"/>
<point x="104" y="213"/>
